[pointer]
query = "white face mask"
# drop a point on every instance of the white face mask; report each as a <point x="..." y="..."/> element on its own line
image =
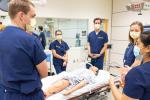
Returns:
<point x="135" y="35"/>
<point x="30" y="27"/>
<point x="59" y="37"/>
<point x="97" y="26"/>
<point x="33" y="22"/>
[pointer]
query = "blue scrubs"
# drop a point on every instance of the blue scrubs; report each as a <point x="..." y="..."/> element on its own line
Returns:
<point x="60" y="49"/>
<point x="35" y="35"/>
<point x="1" y="86"/>
<point x="19" y="55"/>
<point x="137" y="82"/>
<point x="129" y="57"/>
<point x="43" y="39"/>
<point x="2" y="91"/>
<point x="96" y="44"/>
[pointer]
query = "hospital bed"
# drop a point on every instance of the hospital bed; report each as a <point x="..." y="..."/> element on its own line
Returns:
<point x="101" y="84"/>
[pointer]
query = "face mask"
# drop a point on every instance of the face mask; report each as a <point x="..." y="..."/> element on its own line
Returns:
<point x="97" y="26"/>
<point x="33" y="22"/>
<point x="136" y="51"/>
<point x="135" y="35"/>
<point x="59" y="37"/>
<point x="2" y="27"/>
<point x="30" y="27"/>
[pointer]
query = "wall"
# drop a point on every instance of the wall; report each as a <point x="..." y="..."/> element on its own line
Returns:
<point x="3" y="13"/>
<point x="121" y="19"/>
<point x="75" y="9"/>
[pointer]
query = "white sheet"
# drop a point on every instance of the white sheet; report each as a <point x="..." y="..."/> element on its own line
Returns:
<point x="101" y="79"/>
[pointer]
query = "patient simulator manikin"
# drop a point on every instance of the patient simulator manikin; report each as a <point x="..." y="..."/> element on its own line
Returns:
<point x="73" y="81"/>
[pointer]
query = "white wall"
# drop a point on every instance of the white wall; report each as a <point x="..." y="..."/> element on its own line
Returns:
<point x="121" y="19"/>
<point x="74" y="9"/>
<point x="3" y="13"/>
<point x="82" y="9"/>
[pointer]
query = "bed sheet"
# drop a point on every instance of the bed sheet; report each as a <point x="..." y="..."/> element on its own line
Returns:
<point x="101" y="79"/>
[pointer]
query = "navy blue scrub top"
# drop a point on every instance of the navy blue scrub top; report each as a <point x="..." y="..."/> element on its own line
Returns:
<point x="129" y="57"/>
<point x="19" y="55"/>
<point x="43" y="41"/>
<point x="60" y="49"/>
<point x="97" y="41"/>
<point x="35" y="35"/>
<point x="0" y="72"/>
<point x="137" y="82"/>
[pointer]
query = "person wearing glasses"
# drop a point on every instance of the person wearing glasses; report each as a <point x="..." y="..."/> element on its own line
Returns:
<point x="97" y="44"/>
<point x="59" y="50"/>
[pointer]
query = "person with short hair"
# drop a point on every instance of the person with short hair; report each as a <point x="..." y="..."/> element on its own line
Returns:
<point x="42" y="36"/>
<point x="97" y="44"/>
<point x="22" y="60"/>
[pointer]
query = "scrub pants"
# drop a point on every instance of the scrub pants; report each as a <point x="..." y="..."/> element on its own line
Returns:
<point x="98" y="62"/>
<point x="59" y="68"/>
<point x="11" y="95"/>
<point x="1" y="92"/>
